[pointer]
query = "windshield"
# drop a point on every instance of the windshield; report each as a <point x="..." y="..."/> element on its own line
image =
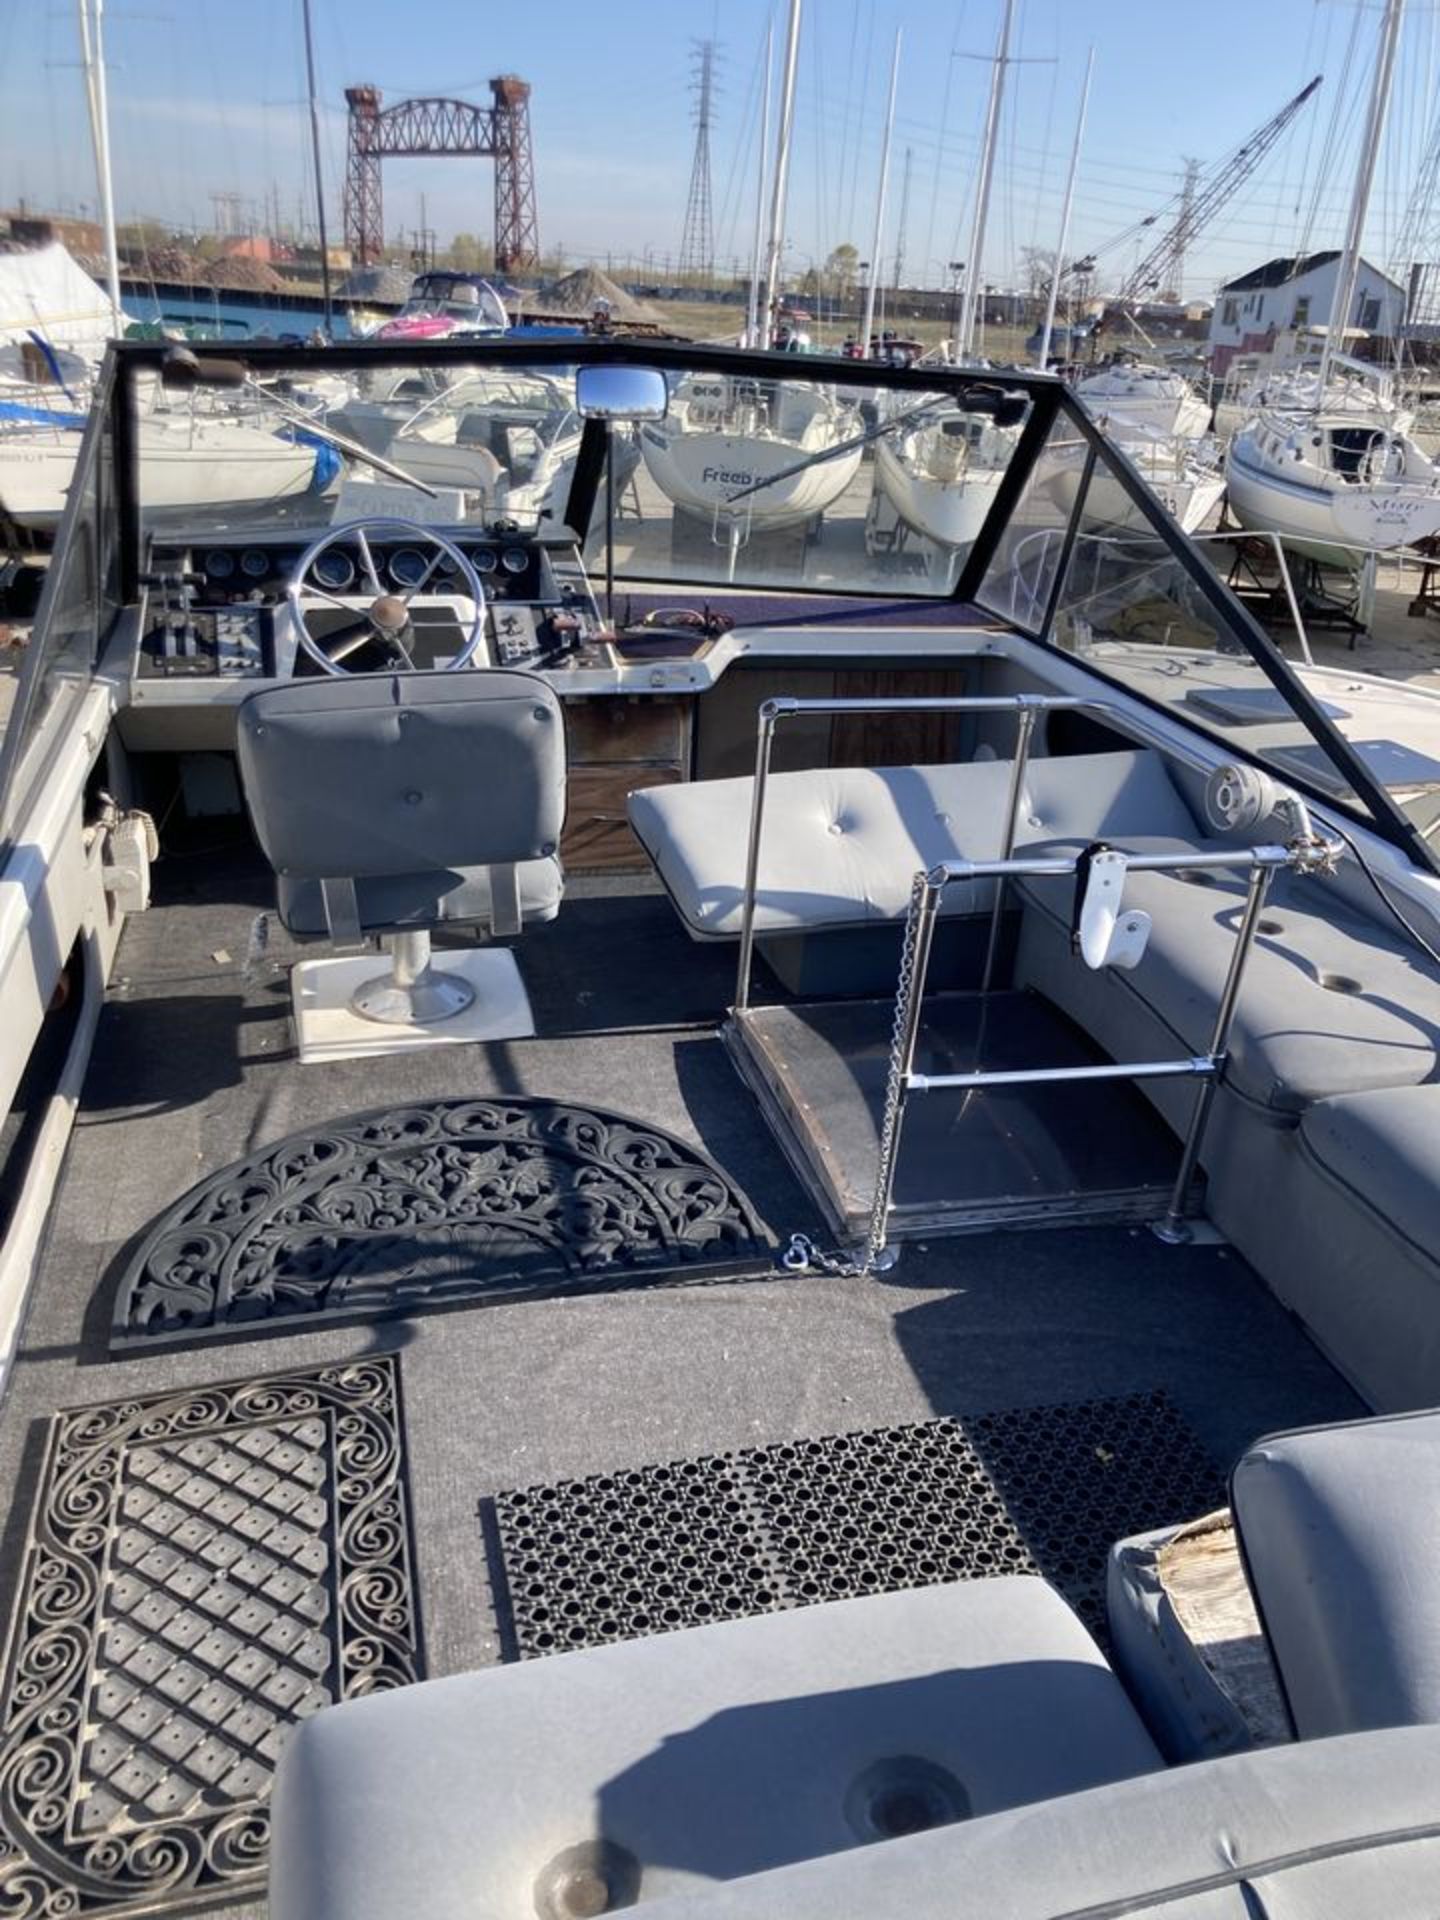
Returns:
<point x="1119" y="598"/>
<point x="807" y="483"/>
<point x="765" y="473"/>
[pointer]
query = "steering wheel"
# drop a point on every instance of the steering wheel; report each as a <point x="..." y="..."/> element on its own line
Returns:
<point x="386" y="621"/>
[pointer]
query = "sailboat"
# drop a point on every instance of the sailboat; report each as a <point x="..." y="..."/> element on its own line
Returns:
<point x="1334" y="478"/>
<point x="1186" y="476"/>
<point x="941" y="475"/>
<point x="1133" y="393"/>
<point x="722" y="435"/>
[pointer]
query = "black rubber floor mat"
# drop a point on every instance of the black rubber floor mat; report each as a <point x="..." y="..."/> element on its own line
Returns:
<point x="431" y="1205"/>
<point x="1043" y="1490"/>
<point x="203" y="1569"/>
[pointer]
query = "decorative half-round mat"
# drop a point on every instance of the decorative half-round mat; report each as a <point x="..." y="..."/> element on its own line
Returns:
<point x="450" y="1201"/>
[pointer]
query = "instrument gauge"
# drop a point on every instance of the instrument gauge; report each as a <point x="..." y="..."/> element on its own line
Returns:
<point x="335" y="569"/>
<point x="483" y="559"/>
<point x="407" y="567"/>
<point x="219" y="564"/>
<point x="515" y="559"/>
<point x="255" y="564"/>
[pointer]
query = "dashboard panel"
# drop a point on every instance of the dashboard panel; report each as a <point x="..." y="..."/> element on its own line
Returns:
<point x="218" y="611"/>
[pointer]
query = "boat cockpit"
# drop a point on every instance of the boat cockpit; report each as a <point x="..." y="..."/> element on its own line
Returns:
<point x="570" y="910"/>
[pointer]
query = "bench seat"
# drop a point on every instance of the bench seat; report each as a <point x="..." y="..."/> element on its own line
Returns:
<point x="1320" y="1830"/>
<point x="842" y="845"/>
<point x="698" y="1756"/>
<point x="1330" y="1003"/>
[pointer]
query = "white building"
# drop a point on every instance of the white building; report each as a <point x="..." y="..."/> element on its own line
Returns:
<point x="1291" y="293"/>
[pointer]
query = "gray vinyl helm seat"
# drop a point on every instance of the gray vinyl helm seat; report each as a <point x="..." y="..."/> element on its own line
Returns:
<point x="394" y="803"/>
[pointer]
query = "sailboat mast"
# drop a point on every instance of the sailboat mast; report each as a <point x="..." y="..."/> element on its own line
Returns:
<point x="1060" y="245"/>
<point x="92" y="54"/>
<point x="974" y="279"/>
<point x="878" y="241"/>
<point x="752" y="311"/>
<point x="319" y="177"/>
<point x="780" y="184"/>
<point x="1349" y="270"/>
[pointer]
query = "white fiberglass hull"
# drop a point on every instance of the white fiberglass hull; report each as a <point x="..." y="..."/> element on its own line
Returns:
<point x="1167" y="416"/>
<point x="949" y="512"/>
<point x="215" y="465"/>
<point x="1189" y="495"/>
<point x="700" y="471"/>
<point x="1328" y="519"/>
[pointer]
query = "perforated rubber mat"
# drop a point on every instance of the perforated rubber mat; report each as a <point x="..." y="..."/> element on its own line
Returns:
<point x="203" y="1569"/>
<point x="431" y="1204"/>
<point x="1043" y="1490"/>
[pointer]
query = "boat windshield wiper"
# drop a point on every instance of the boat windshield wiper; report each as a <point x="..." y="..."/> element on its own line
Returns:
<point x="341" y="441"/>
<point x="840" y="447"/>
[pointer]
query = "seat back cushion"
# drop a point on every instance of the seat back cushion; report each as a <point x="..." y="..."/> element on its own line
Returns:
<point x="404" y="773"/>
<point x="841" y="845"/>
<point x="1341" y="1532"/>
<point x="1327" y="1830"/>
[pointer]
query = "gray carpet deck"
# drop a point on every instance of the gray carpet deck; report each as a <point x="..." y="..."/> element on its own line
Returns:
<point x="193" y="1070"/>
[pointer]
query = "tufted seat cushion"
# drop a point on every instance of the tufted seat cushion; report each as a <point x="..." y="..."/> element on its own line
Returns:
<point x="842" y="845"/>
<point x="702" y="1755"/>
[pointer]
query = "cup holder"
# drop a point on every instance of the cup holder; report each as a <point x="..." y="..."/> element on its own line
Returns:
<point x="1339" y="983"/>
<point x="902" y="1796"/>
<point x="1270" y="926"/>
<point x="1196" y="877"/>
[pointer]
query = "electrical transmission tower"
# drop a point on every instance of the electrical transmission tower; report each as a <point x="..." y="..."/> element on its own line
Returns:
<point x="1186" y="224"/>
<point x="697" y="244"/>
<point x="1199" y="203"/>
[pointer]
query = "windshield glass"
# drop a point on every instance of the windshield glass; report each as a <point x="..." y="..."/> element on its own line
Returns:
<point x="1129" y="608"/>
<point x="827" y="485"/>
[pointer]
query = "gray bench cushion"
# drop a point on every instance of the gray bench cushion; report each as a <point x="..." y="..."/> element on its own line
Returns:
<point x="1302" y="1032"/>
<point x="842" y="845"/>
<point x="1341" y="1531"/>
<point x="705" y="1754"/>
<point x="1325" y="1830"/>
<point x="1384" y="1146"/>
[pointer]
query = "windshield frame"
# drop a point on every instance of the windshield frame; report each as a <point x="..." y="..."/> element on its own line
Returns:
<point x="1050" y="401"/>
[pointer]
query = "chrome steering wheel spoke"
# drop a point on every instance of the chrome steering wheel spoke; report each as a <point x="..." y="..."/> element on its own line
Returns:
<point x="376" y="623"/>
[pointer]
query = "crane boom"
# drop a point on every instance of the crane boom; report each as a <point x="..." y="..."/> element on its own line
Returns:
<point x="1199" y="209"/>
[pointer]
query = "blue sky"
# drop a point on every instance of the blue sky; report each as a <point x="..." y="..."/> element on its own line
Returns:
<point x="207" y="96"/>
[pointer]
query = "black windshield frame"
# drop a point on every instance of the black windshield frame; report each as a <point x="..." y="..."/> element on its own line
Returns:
<point x="1049" y="401"/>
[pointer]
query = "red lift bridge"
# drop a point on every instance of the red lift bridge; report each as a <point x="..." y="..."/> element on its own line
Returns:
<point x="499" y="132"/>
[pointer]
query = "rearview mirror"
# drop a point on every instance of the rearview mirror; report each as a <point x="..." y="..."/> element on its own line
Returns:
<point x="621" y="393"/>
<point x="181" y="368"/>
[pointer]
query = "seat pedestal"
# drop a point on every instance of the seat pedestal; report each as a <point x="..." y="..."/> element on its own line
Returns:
<point x="346" y="1010"/>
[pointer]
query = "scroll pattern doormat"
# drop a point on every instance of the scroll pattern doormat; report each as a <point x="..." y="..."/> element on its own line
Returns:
<point x="1043" y="1490"/>
<point x="455" y="1201"/>
<point x="203" y="1570"/>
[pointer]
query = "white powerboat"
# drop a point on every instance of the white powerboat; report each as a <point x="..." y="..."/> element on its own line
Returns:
<point x="725" y="436"/>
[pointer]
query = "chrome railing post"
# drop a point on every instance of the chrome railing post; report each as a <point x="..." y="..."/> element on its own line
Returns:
<point x="770" y="711"/>
<point x="1024" y="729"/>
<point x="1173" y="1228"/>
<point x="909" y="999"/>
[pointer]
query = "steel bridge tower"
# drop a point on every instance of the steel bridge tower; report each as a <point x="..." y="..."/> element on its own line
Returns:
<point x="500" y="132"/>
<point x="697" y="243"/>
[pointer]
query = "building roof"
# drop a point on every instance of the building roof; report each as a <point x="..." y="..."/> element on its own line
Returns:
<point x="1289" y="266"/>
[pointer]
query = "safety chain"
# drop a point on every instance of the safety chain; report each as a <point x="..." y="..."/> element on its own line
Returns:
<point x="802" y="1255"/>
